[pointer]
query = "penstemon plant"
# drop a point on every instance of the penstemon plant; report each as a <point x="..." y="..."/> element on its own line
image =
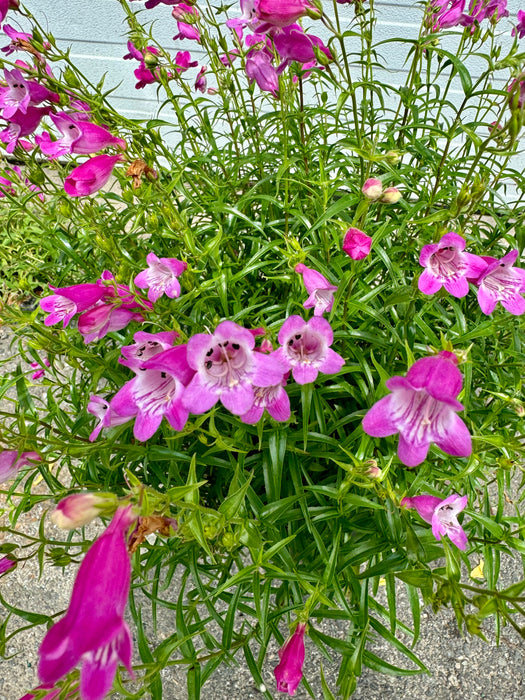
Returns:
<point x="278" y="341"/>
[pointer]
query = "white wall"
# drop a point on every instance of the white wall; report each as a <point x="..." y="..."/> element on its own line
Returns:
<point x="96" y="32"/>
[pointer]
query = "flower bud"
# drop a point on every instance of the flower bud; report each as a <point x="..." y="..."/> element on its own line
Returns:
<point x="391" y="195"/>
<point x="372" y="189"/>
<point x="393" y="157"/>
<point x="150" y="59"/>
<point x="79" y="509"/>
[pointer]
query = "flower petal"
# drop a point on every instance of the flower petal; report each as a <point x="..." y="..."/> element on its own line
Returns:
<point x="378" y="421"/>
<point x="411" y="454"/>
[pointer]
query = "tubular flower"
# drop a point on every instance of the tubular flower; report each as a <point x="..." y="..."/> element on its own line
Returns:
<point x="443" y="14"/>
<point x="107" y="418"/>
<point x="442" y="514"/>
<point x="78" y="136"/>
<point x="91" y="176"/>
<point x="156" y="393"/>
<point x="6" y="564"/>
<point x="22" y="124"/>
<point x="519" y="29"/>
<point x="447" y="265"/>
<point x="146" y="345"/>
<point x="504" y="283"/>
<point x="293" y="44"/>
<point x="21" y="94"/>
<point x="279" y="13"/>
<point x="67" y="301"/>
<point x="259" y="67"/>
<point x="11" y="462"/>
<point x="93" y="631"/>
<point x="161" y="277"/>
<point x="422" y="408"/>
<point x="273" y="399"/>
<point x="321" y="292"/>
<point x="306" y="348"/>
<point x="356" y="244"/>
<point x="494" y="10"/>
<point x="227" y="369"/>
<point x="289" y="671"/>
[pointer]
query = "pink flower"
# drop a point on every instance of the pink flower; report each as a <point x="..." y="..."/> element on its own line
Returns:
<point x="78" y="136"/>
<point x="289" y="671"/>
<point x="356" y="244"/>
<point x="6" y="5"/>
<point x="446" y="265"/>
<point x="422" y="408"/>
<point x="443" y="14"/>
<point x="156" y="393"/>
<point x="186" y="17"/>
<point x="442" y="514"/>
<point x="273" y="399"/>
<point x="293" y="44"/>
<point x="11" y="462"/>
<point x="259" y="68"/>
<point x="183" y="61"/>
<point x="22" y="124"/>
<point x="201" y="81"/>
<point x="67" y="301"/>
<point x="105" y="318"/>
<point x="93" y="631"/>
<point x="21" y="93"/>
<point x="161" y="277"/>
<point x="479" y="10"/>
<point x="279" y="13"/>
<point x="107" y="418"/>
<point x="91" y="176"/>
<point x="372" y="189"/>
<point x="146" y="345"/>
<point x="306" y="348"/>
<point x="501" y="282"/>
<point x="6" y="564"/>
<point x="40" y="372"/>
<point x="519" y="29"/>
<point x="227" y="369"/>
<point x="321" y="292"/>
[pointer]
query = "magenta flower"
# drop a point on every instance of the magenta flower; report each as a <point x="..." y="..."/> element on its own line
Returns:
<point x="11" y="462"/>
<point x="6" y="5"/>
<point x="479" y="10"/>
<point x="6" y="564"/>
<point x="19" y="40"/>
<point x="356" y="244"/>
<point x="321" y="292"/>
<point x="442" y="514"/>
<point x="502" y="282"/>
<point x="228" y="369"/>
<point x="422" y="408"/>
<point x="91" y="176"/>
<point x="156" y="393"/>
<point x="446" y="265"/>
<point x="289" y="671"/>
<point x="443" y="14"/>
<point x="107" y="418"/>
<point x="93" y="631"/>
<point x="146" y="345"/>
<point x="293" y="44"/>
<point x="22" y="124"/>
<point x="259" y="67"/>
<point x="519" y="29"/>
<point x="104" y="318"/>
<point x="161" y="277"/>
<point x="183" y="61"/>
<point x="143" y="73"/>
<point x="201" y="81"/>
<point x="279" y="13"/>
<point x="306" y="348"/>
<point x="41" y="371"/>
<point x="186" y="16"/>
<point x="67" y="301"/>
<point x="78" y="136"/>
<point x="21" y="93"/>
<point x="273" y="399"/>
